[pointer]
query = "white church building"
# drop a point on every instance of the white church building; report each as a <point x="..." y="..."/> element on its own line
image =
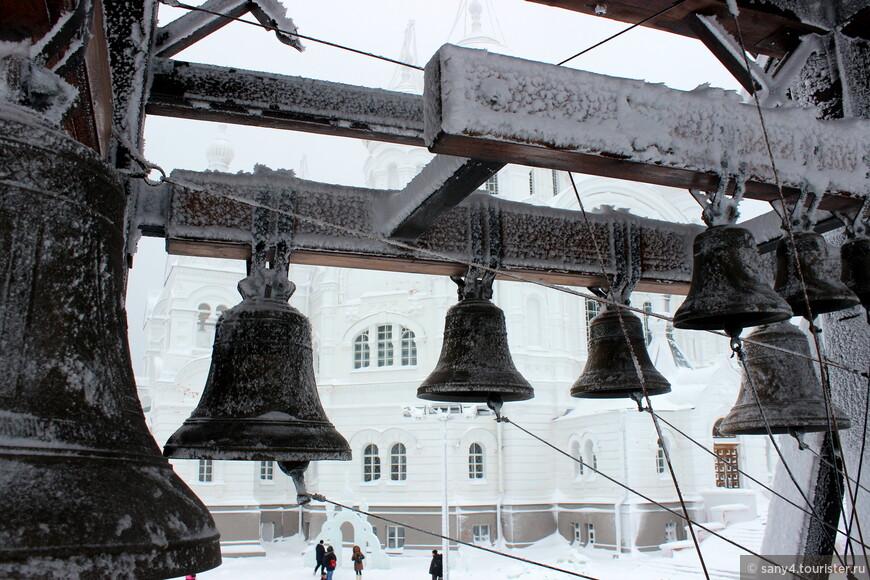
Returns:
<point x="377" y="335"/>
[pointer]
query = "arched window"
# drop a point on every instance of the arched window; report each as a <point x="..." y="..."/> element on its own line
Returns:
<point x="387" y="340"/>
<point x="661" y="459"/>
<point x="371" y="463"/>
<point x="590" y="457"/>
<point x="475" y="461"/>
<point x="409" y="348"/>
<point x="204" y="326"/>
<point x="385" y="345"/>
<point x="220" y="309"/>
<point x="398" y="463"/>
<point x="575" y="453"/>
<point x="361" y="350"/>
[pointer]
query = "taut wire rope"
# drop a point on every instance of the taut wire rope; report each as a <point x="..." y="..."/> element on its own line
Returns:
<point x="176" y="4"/>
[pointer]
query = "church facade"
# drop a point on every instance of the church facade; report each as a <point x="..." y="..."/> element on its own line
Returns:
<point x="377" y="335"/>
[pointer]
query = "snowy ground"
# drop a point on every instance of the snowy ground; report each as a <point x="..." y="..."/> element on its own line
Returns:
<point x="284" y="561"/>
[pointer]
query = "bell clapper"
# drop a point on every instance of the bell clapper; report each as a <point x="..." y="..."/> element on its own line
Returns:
<point x="495" y="403"/>
<point x="799" y="434"/>
<point x="637" y="397"/>
<point x="296" y="471"/>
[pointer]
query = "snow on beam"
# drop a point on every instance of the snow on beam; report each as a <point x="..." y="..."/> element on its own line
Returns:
<point x="502" y="108"/>
<point x="440" y="186"/>
<point x="343" y="226"/>
<point x="193" y="26"/>
<point x="213" y="93"/>
<point x="215" y="14"/>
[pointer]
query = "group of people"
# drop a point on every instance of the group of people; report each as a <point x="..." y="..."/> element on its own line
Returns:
<point x="326" y="561"/>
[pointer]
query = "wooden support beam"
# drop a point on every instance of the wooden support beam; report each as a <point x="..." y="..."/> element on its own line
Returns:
<point x="510" y="110"/>
<point x="213" y="93"/>
<point x="723" y="49"/>
<point x="439" y="187"/>
<point x="766" y="26"/>
<point x="343" y="226"/>
<point x="193" y="26"/>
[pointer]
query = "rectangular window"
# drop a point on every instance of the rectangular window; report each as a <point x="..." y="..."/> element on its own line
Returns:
<point x="395" y="537"/>
<point x="267" y="470"/>
<point x="727" y="475"/>
<point x="671" y="532"/>
<point x="555" y="183"/>
<point x="491" y="185"/>
<point x="590" y="535"/>
<point x="592" y="310"/>
<point x="206" y="472"/>
<point x="385" y="345"/>
<point x="480" y="534"/>
<point x="577" y="530"/>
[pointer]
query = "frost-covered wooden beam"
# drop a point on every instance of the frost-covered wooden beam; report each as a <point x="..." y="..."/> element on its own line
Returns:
<point x="488" y="106"/>
<point x="214" y="15"/>
<point x="213" y="93"/>
<point x="440" y="186"/>
<point x="343" y="226"/>
<point x="193" y="26"/>
<point x="768" y="27"/>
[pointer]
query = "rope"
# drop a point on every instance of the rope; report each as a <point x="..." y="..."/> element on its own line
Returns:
<point x="640" y="494"/>
<point x="289" y="33"/>
<point x="620" y="33"/>
<point x="319" y="497"/>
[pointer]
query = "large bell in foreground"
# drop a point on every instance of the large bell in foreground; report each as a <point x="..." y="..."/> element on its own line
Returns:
<point x="824" y="289"/>
<point x="260" y="400"/>
<point x="84" y="491"/>
<point x="728" y="290"/>
<point x="855" y="268"/>
<point x="475" y="364"/>
<point x="787" y="386"/>
<point x="610" y="371"/>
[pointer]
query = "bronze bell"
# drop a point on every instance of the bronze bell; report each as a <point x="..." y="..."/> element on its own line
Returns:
<point x="824" y="289"/>
<point x="729" y="289"/>
<point x="260" y="400"/>
<point x="610" y="371"/>
<point x="787" y="386"/>
<point x="855" y="268"/>
<point x="84" y="491"/>
<point x="475" y="363"/>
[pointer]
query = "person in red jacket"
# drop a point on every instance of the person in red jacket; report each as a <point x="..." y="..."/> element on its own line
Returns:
<point x="329" y="562"/>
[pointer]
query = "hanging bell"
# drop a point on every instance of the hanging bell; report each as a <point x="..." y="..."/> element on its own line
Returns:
<point x="824" y="289"/>
<point x="84" y="491"/>
<point x="855" y="268"/>
<point x="787" y="387"/>
<point x="610" y="371"/>
<point x="729" y="289"/>
<point x="260" y="400"/>
<point x="475" y="363"/>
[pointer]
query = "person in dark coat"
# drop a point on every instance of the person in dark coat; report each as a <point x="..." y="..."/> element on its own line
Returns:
<point x="436" y="568"/>
<point x="319" y="550"/>
<point x="330" y="561"/>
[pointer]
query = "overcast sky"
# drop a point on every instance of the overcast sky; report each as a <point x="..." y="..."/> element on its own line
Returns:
<point x="529" y="30"/>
